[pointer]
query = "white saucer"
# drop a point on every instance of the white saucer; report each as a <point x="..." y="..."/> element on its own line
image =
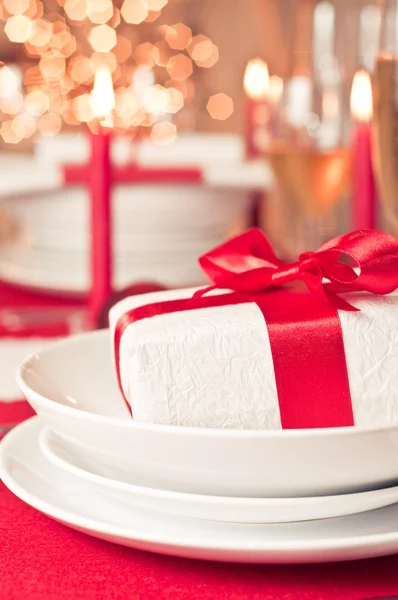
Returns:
<point x="29" y="475"/>
<point x="213" y="508"/>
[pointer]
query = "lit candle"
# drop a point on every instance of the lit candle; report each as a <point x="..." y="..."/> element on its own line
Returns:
<point x="363" y="188"/>
<point x="256" y="82"/>
<point x="102" y="103"/>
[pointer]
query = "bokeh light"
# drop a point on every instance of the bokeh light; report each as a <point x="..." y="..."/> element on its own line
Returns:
<point x="35" y="9"/>
<point x="179" y="67"/>
<point x="52" y="66"/>
<point x="18" y="28"/>
<point x="178" y="36"/>
<point x="106" y="60"/>
<point x="76" y="9"/>
<point x="123" y="49"/>
<point x="37" y="103"/>
<point x="9" y="82"/>
<point x="125" y="103"/>
<point x="8" y="134"/>
<point x="102" y="38"/>
<point x="144" y="55"/>
<point x="16" y="7"/>
<point x="100" y="11"/>
<point x="11" y="105"/>
<point x="155" y="100"/>
<point x="163" y="133"/>
<point x="176" y="100"/>
<point x="80" y="69"/>
<point x="49" y="124"/>
<point x="82" y="108"/>
<point x="134" y="11"/>
<point x="152" y="16"/>
<point x="220" y="106"/>
<point x="152" y="67"/>
<point x="23" y="125"/>
<point x="187" y="87"/>
<point x="161" y="54"/>
<point x="64" y="43"/>
<point x="41" y="34"/>
<point x="156" y="4"/>
<point x="205" y="54"/>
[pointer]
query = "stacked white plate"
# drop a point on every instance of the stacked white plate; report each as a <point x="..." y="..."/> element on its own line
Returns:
<point x="159" y="230"/>
<point x="250" y="496"/>
<point x="159" y="233"/>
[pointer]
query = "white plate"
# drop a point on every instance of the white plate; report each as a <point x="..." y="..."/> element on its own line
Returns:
<point x="151" y="210"/>
<point x="27" y="473"/>
<point x="214" y="508"/>
<point x="72" y="384"/>
<point x="147" y="241"/>
<point x="27" y="268"/>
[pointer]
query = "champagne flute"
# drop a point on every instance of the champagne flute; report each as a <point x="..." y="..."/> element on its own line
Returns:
<point x="310" y="155"/>
<point x="385" y="120"/>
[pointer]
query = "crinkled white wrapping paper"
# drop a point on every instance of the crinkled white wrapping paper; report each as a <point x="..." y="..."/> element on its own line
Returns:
<point x="213" y="367"/>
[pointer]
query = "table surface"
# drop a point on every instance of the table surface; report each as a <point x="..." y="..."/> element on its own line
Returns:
<point x="41" y="559"/>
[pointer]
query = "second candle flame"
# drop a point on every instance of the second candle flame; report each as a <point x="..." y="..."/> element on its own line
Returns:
<point x="361" y="97"/>
<point x="256" y="80"/>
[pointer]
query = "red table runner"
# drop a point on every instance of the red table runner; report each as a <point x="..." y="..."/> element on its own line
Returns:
<point x="43" y="560"/>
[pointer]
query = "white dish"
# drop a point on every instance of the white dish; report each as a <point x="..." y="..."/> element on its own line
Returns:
<point x="140" y="209"/>
<point x="29" y="475"/>
<point x="72" y="384"/>
<point x="147" y="242"/>
<point x="214" y="508"/>
<point x="27" y="268"/>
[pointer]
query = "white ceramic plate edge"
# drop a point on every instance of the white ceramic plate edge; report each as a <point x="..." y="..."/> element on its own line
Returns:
<point x="350" y="548"/>
<point x="227" y="508"/>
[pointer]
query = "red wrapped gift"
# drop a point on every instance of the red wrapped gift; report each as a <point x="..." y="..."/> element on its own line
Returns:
<point x="285" y="347"/>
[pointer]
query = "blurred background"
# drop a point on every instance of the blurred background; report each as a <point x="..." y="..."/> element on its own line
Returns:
<point x="135" y="135"/>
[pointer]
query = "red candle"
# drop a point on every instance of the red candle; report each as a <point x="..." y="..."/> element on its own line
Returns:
<point x="100" y="182"/>
<point x="363" y="184"/>
<point x="255" y="83"/>
<point x="101" y="222"/>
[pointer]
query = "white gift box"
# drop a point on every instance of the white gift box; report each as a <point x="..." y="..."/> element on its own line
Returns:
<point x="213" y="367"/>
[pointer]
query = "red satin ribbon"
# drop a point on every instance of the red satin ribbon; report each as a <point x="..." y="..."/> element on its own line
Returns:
<point x="304" y="326"/>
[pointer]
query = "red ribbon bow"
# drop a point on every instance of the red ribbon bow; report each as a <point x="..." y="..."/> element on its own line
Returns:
<point x="364" y="260"/>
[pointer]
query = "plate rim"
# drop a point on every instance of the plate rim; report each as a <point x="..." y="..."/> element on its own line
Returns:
<point x="72" y="519"/>
<point x="45" y="437"/>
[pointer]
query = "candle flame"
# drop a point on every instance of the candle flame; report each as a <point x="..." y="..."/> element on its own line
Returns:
<point x="361" y="97"/>
<point x="102" y="96"/>
<point x="256" y="80"/>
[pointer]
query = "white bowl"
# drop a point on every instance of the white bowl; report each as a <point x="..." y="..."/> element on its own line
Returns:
<point x="72" y="384"/>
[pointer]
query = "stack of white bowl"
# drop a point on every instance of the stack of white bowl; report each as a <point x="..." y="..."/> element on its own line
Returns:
<point x="159" y="230"/>
<point x="241" y="495"/>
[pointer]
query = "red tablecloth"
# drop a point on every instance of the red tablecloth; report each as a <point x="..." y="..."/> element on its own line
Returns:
<point x="43" y="560"/>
